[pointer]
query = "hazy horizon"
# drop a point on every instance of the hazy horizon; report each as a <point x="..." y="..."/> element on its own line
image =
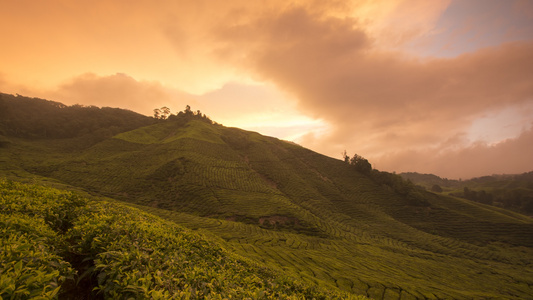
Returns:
<point x="441" y="87"/>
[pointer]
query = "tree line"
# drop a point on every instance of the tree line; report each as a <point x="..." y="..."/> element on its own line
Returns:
<point x="519" y="199"/>
<point x="164" y="113"/>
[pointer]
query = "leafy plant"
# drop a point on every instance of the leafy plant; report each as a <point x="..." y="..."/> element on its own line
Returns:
<point x="31" y="266"/>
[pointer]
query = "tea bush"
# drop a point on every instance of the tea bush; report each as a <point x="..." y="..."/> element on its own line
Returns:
<point x="30" y="264"/>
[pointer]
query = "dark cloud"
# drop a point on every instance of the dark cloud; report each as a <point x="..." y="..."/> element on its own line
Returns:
<point x="377" y="101"/>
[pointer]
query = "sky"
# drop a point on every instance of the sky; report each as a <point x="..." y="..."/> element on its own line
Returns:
<point x="441" y="86"/>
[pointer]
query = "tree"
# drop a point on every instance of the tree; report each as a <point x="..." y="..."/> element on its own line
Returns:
<point x="162" y="113"/>
<point x="361" y="164"/>
<point x="157" y="113"/>
<point x="165" y="112"/>
<point x="345" y="157"/>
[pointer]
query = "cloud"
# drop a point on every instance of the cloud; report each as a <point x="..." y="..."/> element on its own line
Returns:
<point x="510" y="156"/>
<point x="377" y="100"/>
<point x="119" y="90"/>
<point x="381" y="102"/>
<point x="254" y="107"/>
<point x="392" y="23"/>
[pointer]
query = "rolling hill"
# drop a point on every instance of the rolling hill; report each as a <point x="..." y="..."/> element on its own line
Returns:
<point x="302" y="214"/>
<point x="513" y="192"/>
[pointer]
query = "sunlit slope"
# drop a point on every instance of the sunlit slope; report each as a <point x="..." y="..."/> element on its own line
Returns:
<point x="307" y="214"/>
<point x="188" y="168"/>
<point x="227" y="173"/>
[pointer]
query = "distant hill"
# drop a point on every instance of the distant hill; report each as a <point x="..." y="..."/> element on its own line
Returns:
<point x="513" y="192"/>
<point x="41" y="119"/>
<point x="302" y="214"/>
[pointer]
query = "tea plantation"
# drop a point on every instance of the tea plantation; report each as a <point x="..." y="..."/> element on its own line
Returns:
<point x="57" y="244"/>
<point x="187" y="208"/>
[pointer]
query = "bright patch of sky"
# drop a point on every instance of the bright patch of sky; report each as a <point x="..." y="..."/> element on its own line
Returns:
<point x="258" y="107"/>
<point x="496" y="126"/>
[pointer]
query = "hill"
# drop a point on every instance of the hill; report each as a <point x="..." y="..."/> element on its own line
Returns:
<point x="513" y="192"/>
<point x="300" y="213"/>
<point x="35" y="118"/>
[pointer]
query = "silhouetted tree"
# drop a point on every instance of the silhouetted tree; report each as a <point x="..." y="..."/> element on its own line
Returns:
<point x="345" y="157"/>
<point x="157" y="113"/>
<point x="165" y="112"/>
<point x="361" y="164"/>
<point x="162" y="113"/>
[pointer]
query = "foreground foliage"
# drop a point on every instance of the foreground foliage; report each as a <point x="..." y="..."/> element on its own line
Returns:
<point x="32" y="220"/>
<point x="120" y="253"/>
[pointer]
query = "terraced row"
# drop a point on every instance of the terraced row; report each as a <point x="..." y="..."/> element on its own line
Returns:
<point x="380" y="267"/>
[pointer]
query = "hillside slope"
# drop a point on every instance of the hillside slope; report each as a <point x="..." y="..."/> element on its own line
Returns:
<point x="302" y="213"/>
<point x="35" y="118"/>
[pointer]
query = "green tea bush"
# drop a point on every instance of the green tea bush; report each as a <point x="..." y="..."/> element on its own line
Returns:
<point x="30" y="266"/>
<point x="29" y="269"/>
<point x="57" y="208"/>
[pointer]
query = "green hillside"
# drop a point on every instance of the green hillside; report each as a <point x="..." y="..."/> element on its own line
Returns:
<point x="35" y="118"/>
<point x="302" y="214"/>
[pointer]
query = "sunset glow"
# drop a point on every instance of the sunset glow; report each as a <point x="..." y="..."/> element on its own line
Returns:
<point x="443" y="87"/>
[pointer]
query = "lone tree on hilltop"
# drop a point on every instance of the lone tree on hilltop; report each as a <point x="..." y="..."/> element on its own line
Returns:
<point x="360" y="163"/>
<point x="345" y="157"/>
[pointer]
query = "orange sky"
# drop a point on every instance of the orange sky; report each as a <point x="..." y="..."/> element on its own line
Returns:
<point x="442" y="87"/>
